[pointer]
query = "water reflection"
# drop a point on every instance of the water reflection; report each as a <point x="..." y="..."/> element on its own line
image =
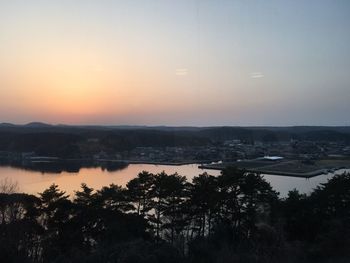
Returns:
<point x="283" y="184"/>
<point x="68" y="166"/>
<point x="34" y="181"/>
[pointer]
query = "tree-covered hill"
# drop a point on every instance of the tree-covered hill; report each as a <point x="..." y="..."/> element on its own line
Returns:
<point x="73" y="141"/>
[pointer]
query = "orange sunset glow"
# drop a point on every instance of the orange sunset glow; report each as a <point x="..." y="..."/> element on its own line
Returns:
<point x="120" y="63"/>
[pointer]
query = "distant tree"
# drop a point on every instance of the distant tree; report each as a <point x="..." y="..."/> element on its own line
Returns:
<point x="333" y="197"/>
<point x="243" y="199"/>
<point x="269" y="137"/>
<point x="168" y="194"/>
<point x="56" y="213"/>
<point x="139" y="191"/>
<point x="114" y="198"/>
<point x="258" y="199"/>
<point x="230" y="196"/>
<point x="86" y="220"/>
<point x="320" y="222"/>
<point x="20" y="233"/>
<point x="175" y="200"/>
<point x="204" y="202"/>
<point x="331" y="206"/>
<point x="7" y="186"/>
<point x="297" y="214"/>
<point x="52" y="200"/>
<point x="85" y="197"/>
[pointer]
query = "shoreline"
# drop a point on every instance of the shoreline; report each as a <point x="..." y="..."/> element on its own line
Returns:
<point x="54" y="164"/>
<point x="305" y="175"/>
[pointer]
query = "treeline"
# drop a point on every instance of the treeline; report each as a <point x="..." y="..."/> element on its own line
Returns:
<point x="234" y="217"/>
<point x="75" y="141"/>
<point x="85" y="143"/>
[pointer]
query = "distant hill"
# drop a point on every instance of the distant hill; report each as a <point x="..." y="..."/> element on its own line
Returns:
<point x="75" y="141"/>
<point x="37" y="125"/>
<point x="6" y="124"/>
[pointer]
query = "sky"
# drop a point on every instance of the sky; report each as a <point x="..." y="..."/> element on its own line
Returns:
<point x="183" y="62"/>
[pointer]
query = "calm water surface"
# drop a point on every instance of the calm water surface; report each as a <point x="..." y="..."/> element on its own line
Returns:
<point x="33" y="182"/>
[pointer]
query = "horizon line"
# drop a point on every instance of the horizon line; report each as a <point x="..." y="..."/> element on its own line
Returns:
<point x="38" y="123"/>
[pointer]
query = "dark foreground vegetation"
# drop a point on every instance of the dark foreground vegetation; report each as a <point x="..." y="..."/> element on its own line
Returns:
<point x="235" y="217"/>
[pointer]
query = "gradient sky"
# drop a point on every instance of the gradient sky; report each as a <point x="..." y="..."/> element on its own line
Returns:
<point x="183" y="62"/>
